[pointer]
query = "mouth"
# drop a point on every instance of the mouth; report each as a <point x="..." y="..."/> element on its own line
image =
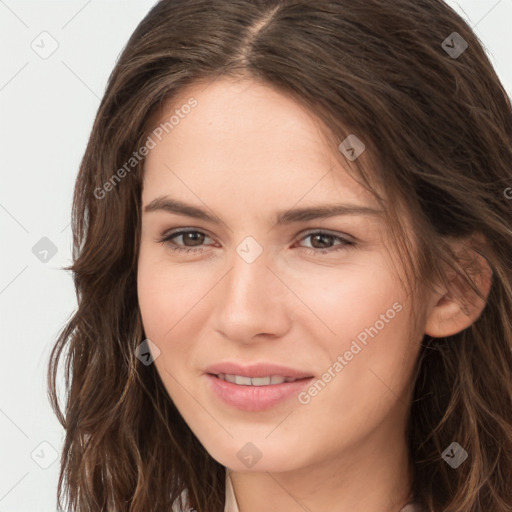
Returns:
<point x="256" y="387"/>
<point x="242" y="380"/>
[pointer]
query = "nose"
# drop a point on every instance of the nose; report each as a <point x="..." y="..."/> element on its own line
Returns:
<point x="253" y="302"/>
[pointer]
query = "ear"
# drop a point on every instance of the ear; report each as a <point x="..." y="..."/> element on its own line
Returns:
<point x="453" y="309"/>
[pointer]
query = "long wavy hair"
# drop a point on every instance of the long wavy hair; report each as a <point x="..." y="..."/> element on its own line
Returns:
<point x="438" y="129"/>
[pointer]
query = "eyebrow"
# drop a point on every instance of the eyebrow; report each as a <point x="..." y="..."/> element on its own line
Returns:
<point x="165" y="203"/>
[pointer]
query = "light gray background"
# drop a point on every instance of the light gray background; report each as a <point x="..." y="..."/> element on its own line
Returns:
<point x="47" y="106"/>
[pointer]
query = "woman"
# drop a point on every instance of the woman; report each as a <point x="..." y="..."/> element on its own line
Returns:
<point x="292" y="260"/>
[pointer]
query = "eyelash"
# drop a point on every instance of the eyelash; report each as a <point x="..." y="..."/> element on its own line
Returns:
<point x="167" y="239"/>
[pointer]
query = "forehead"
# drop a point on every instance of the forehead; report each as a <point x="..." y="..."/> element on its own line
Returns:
<point x="244" y="135"/>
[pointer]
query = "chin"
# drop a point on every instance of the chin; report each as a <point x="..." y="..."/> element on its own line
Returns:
<point x="258" y="455"/>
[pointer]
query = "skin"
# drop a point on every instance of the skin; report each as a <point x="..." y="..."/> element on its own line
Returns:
<point x="243" y="153"/>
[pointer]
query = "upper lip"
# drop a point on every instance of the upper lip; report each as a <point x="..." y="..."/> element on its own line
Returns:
<point x="256" y="370"/>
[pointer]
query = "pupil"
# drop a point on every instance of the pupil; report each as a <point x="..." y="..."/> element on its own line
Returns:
<point x="193" y="235"/>
<point x="320" y="237"/>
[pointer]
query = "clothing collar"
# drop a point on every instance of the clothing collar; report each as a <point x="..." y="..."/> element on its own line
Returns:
<point x="230" y="505"/>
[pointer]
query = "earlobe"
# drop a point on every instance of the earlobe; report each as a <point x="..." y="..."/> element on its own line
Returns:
<point x="452" y="312"/>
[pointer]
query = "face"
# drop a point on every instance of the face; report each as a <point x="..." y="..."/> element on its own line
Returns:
<point x="242" y="297"/>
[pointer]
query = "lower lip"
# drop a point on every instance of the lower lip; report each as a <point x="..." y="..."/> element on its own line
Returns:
<point x="255" y="398"/>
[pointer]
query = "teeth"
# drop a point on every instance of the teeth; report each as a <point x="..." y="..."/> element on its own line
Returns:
<point x="242" y="381"/>
<point x="255" y="381"/>
<point x="260" y="381"/>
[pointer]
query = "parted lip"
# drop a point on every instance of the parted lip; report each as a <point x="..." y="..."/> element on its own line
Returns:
<point x="256" y="370"/>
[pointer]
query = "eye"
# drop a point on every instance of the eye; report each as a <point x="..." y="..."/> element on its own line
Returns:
<point x="196" y="239"/>
<point x="323" y="238"/>
<point x="193" y="236"/>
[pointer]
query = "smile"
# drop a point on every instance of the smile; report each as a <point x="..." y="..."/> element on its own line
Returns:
<point x="255" y="393"/>
<point x="255" y="381"/>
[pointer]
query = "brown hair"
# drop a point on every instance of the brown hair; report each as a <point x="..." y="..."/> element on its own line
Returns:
<point x="438" y="128"/>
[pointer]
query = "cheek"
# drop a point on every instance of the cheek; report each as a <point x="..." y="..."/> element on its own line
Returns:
<point x="345" y="300"/>
<point x="165" y="295"/>
<point x="373" y="370"/>
<point x="172" y="305"/>
<point x="367" y="353"/>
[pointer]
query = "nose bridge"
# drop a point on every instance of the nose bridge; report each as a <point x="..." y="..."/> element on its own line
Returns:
<point x="250" y="281"/>
<point x="252" y="298"/>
